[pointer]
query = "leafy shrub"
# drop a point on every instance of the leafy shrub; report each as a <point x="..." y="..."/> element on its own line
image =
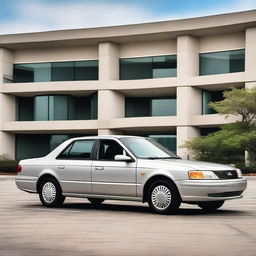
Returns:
<point x="8" y="166"/>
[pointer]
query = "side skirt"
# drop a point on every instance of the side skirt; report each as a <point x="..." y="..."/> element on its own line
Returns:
<point x="109" y="197"/>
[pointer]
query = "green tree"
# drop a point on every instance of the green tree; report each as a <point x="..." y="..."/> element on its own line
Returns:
<point x="232" y="140"/>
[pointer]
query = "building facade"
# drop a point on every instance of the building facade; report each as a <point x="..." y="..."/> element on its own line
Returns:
<point x="153" y="79"/>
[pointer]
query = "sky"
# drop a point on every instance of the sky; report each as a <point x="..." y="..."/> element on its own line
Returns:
<point x="21" y="16"/>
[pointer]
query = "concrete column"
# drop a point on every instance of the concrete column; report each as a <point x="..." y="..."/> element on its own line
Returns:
<point x="110" y="106"/>
<point x="6" y="65"/>
<point x="108" y="61"/>
<point x="185" y="133"/>
<point x="188" y="105"/>
<point x="187" y="58"/>
<point x="189" y="99"/>
<point x="7" y="104"/>
<point x="250" y="53"/>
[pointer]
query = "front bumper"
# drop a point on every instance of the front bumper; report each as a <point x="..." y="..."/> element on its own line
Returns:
<point x="211" y="190"/>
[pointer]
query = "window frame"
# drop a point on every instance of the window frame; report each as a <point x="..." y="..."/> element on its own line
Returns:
<point x="97" y="148"/>
<point x="92" y="155"/>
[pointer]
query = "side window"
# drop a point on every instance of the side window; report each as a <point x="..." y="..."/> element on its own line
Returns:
<point x="108" y="149"/>
<point x="81" y="150"/>
<point x="64" y="154"/>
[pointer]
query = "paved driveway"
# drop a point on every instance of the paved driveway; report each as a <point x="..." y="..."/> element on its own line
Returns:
<point x="123" y="228"/>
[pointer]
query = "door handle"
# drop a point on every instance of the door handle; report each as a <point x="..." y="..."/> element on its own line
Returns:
<point x="99" y="168"/>
<point x="61" y="167"/>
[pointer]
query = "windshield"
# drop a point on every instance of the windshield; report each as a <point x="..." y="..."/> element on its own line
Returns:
<point x="147" y="148"/>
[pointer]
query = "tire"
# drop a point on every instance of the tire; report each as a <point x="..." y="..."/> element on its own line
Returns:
<point x="96" y="201"/>
<point x="163" y="197"/>
<point x="50" y="193"/>
<point x="211" y="205"/>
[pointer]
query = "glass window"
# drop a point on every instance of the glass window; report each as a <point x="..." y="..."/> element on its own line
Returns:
<point x="63" y="71"/>
<point x="108" y="149"/>
<point x="148" y="67"/>
<point x="24" y="108"/>
<point x="136" y="68"/>
<point x="32" y="145"/>
<point x="81" y="149"/>
<point x="139" y="107"/>
<point x="64" y="154"/>
<point x="164" y="66"/>
<point x="35" y="72"/>
<point x="135" y="107"/>
<point x="79" y="108"/>
<point x="58" y="107"/>
<point x="163" y="107"/>
<point x="222" y="62"/>
<point x="210" y="96"/>
<point x="86" y="70"/>
<point x="41" y="108"/>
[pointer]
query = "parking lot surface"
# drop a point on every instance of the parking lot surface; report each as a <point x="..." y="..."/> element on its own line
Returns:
<point x="123" y="228"/>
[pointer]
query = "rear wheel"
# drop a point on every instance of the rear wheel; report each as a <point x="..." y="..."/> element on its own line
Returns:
<point x="163" y="197"/>
<point x="50" y="193"/>
<point x="211" y="205"/>
<point x="95" y="201"/>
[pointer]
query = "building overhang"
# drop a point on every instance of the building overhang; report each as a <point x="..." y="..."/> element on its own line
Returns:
<point x="164" y="30"/>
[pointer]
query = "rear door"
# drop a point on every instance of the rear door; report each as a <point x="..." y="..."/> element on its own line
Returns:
<point x="74" y="167"/>
<point x="111" y="177"/>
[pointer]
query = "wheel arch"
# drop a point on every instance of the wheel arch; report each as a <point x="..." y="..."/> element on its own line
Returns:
<point x="45" y="176"/>
<point x="151" y="180"/>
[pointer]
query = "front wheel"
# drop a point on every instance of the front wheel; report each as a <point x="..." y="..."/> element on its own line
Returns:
<point x="211" y="205"/>
<point x="163" y="197"/>
<point x="50" y="193"/>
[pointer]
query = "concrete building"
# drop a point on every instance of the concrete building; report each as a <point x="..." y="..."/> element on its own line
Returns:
<point x="152" y="79"/>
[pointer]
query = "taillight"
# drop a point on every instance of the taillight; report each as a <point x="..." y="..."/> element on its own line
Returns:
<point x="19" y="168"/>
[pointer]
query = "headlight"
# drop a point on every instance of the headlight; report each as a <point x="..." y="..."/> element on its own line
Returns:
<point x="202" y="175"/>
<point x="239" y="173"/>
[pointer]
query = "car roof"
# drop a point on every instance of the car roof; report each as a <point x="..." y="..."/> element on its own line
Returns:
<point x="106" y="137"/>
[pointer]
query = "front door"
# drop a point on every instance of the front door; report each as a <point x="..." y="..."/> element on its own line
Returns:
<point x="111" y="177"/>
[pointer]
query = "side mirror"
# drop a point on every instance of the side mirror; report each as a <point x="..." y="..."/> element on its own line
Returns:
<point x="123" y="158"/>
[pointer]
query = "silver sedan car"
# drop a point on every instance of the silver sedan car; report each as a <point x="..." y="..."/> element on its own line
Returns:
<point x="128" y="168"/>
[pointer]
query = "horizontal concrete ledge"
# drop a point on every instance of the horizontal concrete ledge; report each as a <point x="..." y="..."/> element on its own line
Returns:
<point x="212" y="120"/>
<point x="157" y="123"/>
<point x="81" y="88"/>
<point x="218" y="79"/>
<point x="135" y="122"/>
<point x="51" y="126"/>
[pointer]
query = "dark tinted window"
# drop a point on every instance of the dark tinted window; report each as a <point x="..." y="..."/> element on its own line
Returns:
<point x="108" y="149"/>
<point x="64" y="154"/>
<point x="63" y="71"/>
<point x="86" y="70"/>
<point x="81" y="150"/>
<point x="222" y="62"/>
<point x="148" y="67"/>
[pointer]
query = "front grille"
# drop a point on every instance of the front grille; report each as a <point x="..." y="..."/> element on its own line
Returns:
<point x="226" y="175"/>
<point x="226" y="194"/>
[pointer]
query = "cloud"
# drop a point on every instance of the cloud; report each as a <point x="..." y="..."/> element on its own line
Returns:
<point x="38" y="16"/>
<point x="32" y="16"/>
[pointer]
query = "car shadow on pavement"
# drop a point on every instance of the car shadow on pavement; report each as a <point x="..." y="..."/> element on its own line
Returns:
<point x="135" y="209"/>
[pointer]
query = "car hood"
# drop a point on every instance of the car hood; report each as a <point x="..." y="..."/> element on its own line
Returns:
<point x="179" y="164"/>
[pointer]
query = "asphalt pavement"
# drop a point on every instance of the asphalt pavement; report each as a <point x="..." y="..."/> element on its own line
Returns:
<point x="123" y="228"/>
